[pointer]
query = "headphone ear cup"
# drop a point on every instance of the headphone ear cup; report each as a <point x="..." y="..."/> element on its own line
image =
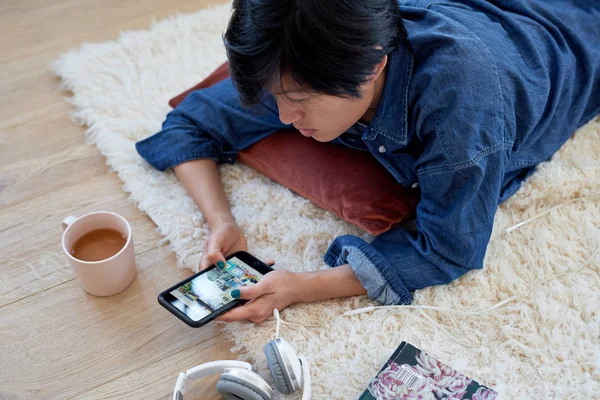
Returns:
<point x="238" y="383"/>
<point x="276" y="371"/>
<point x="231" y="390"/>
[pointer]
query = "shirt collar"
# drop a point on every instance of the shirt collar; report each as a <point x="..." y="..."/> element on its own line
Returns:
<point x="391" y="115"/>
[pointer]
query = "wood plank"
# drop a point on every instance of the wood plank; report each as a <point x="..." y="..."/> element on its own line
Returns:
<point x="25" y="68"/>
<point x="49" y="135"/>
<point x="49" y="167"/>
<point x="26" y="272"/>
<point x="76" y="21"/>
<point x="56" y="341"/>
<point x="150" y="381"/>
<point x="63" y="342"/>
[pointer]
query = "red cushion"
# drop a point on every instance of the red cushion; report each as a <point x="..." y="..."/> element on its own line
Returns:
<point x="348" y="182"/>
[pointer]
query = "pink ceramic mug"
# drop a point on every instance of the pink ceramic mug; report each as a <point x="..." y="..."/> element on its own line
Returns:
<point x="105" y="277"/>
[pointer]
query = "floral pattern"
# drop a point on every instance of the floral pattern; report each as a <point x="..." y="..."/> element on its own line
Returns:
<point x="484" y="394"/>
<point x="387" y="386"/>
<point x="439" y="381"/>
<point x="446" y="381"/>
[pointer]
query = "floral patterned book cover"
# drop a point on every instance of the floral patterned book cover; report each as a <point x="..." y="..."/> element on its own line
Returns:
<point x="413" y="374"/>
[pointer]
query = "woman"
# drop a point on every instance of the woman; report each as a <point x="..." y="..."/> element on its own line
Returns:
<point x="463" y="99"/>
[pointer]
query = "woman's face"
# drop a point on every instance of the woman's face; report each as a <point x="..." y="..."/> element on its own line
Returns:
<point x="324" y="117"/>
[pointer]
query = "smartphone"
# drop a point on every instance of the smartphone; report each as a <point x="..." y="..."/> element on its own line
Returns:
<point x="203" y="297"/>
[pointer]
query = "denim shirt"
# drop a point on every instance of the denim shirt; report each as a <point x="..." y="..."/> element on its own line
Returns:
<point x="478" y="95"/>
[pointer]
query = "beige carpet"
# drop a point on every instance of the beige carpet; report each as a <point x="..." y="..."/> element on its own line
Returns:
<point x="550" y="346"/>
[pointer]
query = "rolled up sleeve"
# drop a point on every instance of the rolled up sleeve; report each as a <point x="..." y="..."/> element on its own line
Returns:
<point x="178" y="144"/>
<point x="454" y="224"/>
<point x="210" y="124"/>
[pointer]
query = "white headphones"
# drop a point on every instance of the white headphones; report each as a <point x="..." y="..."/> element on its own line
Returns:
<point x="290" y="372"/>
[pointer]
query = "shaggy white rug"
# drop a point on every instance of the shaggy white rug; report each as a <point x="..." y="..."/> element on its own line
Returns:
<point x="550" y="343"/>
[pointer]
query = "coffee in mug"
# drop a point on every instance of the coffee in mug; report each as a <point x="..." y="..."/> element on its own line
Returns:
<point x="99" y="246"/>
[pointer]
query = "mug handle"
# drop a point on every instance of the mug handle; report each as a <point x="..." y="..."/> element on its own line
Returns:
<point x="68" y="221"/>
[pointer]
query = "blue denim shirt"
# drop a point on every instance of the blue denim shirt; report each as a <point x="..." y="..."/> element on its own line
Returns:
<point x="480" y="93"/>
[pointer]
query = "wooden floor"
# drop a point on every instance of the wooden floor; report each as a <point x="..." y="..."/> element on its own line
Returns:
<point x="56" y="341"/>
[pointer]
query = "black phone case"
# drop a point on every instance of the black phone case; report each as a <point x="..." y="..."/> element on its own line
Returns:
<point x="243" y="256"/>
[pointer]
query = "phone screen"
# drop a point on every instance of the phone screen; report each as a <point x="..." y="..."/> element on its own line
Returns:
<point x="212" y="290"/>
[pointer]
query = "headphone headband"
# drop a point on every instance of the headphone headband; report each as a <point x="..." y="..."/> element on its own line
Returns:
<point x="306" y="386"/>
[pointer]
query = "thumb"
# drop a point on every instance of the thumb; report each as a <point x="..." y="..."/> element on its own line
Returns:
<point x="250" y="292"/>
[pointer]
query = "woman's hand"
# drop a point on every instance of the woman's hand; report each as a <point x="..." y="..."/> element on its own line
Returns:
<point x="277" y="289"/>
<point x="224" y="239"/>
<point x="280" y="288"/>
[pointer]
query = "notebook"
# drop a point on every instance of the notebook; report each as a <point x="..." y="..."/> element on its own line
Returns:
<point x="413" y="374"/>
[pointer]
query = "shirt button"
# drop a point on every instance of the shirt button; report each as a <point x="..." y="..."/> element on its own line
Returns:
<point x="382" y="149"/>
<point x="414" y="185"/>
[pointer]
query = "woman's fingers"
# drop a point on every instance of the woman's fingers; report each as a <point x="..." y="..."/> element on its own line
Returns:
<point x="210" y="259"/>
<point x="257" y="310"/>
<point x="248" y="312"/>
<point x="270" y="262"/>
<point x="212" y="252"/>
<point x="215" y="257"/>
<point x="251" y="292"/>
<point x="237" y="314"/>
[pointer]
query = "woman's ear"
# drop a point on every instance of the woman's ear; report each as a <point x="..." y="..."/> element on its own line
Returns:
<point x="379" y="68"/>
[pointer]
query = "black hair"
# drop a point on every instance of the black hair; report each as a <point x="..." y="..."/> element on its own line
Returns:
<point x="326" y="46"/>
